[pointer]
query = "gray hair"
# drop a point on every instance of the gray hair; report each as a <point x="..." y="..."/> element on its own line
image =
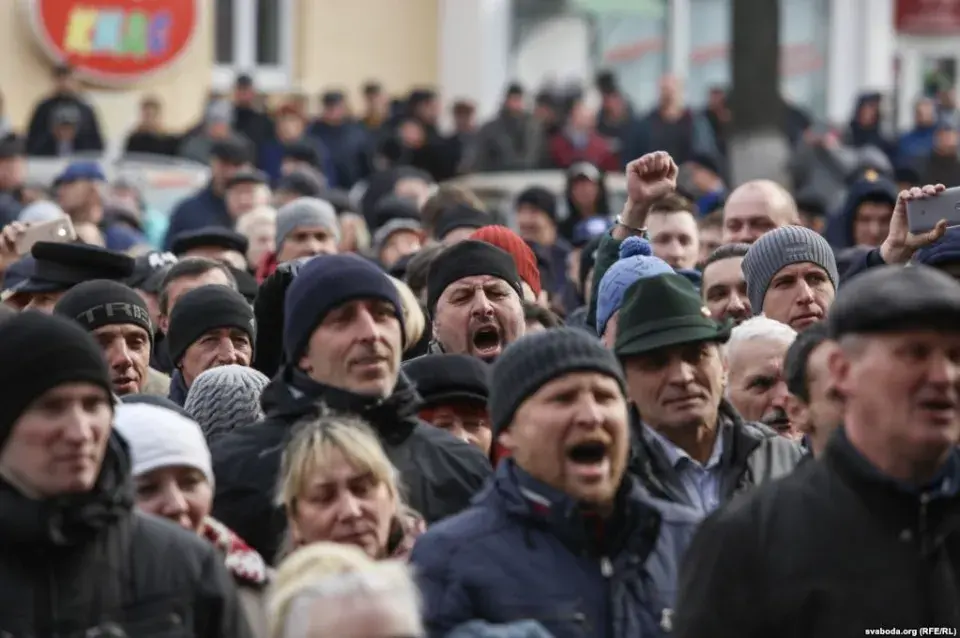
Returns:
<point x="759" y="327"/>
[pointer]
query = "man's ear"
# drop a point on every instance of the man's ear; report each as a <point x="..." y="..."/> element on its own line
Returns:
<point x="838" y="364"/>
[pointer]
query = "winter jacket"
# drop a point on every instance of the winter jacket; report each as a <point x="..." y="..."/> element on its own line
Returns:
<point x="178" y="388"/>
<point x="753" y="454"/>
<point x="508" y="143"/>
<point x="440" y="472"/>
<point x="89" y="565"/>
<point x="525" y="551"/>
<point x="203" y="208"/>
<point x="834" y="549"/>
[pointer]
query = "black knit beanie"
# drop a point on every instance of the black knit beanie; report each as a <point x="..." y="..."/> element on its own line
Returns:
<point x="468" y="259"/>
<point x="40" y="353"/>
<point x="534" y="360"/>
<point x="102" y="302"/>
<point x="204" y="309"/>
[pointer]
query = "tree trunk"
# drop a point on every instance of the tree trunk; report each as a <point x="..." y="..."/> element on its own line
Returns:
<point x="758" y="148"/>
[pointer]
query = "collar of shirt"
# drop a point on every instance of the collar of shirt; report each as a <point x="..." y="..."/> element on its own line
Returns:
<point x="677" y="456"/>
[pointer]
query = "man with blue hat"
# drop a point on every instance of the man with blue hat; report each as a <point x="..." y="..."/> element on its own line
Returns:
<point x="80" y="193"/>
<point x="59" y="267"/>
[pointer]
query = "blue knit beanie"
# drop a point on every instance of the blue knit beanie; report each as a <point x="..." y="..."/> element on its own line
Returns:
<point x="324" y="283"/>
<point x="636" y="262"/>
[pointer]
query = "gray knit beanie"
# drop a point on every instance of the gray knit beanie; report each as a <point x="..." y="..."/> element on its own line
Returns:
<point x="778" y="249"/>
<point x="225" y="397"/>
<point x="306" y="211"/>
<point x="534" y="360"/>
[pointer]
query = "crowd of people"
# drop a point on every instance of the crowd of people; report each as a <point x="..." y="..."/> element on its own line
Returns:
<point x="299" y="410"/>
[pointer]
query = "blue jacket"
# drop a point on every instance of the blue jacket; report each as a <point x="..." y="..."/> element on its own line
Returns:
<point x="203" y="208"/>
<point x="523" y="551"/>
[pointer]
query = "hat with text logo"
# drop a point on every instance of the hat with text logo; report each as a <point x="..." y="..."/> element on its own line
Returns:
<point x="780" y="248"/>
<point x="663" y="311"/>
<point x="101" y="302"/>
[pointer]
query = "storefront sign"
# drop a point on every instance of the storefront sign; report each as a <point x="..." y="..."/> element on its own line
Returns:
<point x="115" y="42"/>
<point x="928" y="17"/>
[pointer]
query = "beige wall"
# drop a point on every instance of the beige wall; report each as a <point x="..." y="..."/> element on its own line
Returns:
<point x="343" y="43"/>
<point x="25" y="78"/>
<point x="337" y="43"/>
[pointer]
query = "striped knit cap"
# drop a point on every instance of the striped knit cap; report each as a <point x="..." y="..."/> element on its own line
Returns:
<point x="534" y="360"/>
<point x="778" y="249"/>
<point x="224" y="398"/>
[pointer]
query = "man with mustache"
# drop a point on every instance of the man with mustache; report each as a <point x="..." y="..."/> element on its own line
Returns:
<point x="791" y="275"/>
<point x="756" y="385"/>
<point x="342" y="343"/>
<point x="690" y="445"/>
<point x="475" y="297"/>
<point x="799" y="557"/>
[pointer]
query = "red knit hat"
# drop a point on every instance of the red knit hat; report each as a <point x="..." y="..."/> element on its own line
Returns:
<point x="507" y="240"/>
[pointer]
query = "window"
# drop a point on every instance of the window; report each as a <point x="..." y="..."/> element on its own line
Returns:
<point x="255" y="37"/>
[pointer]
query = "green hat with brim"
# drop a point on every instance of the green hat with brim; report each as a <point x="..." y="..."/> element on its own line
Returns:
<point x="663" y="311"/>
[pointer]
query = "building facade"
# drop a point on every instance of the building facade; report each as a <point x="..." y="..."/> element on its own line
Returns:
<point x="832" y="50"/>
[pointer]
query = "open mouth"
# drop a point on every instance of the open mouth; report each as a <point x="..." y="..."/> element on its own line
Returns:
<point x="588" y="453"/>
<point x="938" y="405"/>
<point x="486" y="341"/>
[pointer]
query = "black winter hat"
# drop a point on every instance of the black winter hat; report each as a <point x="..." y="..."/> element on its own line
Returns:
<point x="61" y="266"/>
<point x="541" y="199"/>
<point x="102" y="302"/>
<point x="204" y="309"/>
<point x="43" y="352"/>
<point x="441" y="378"/>
<point x="467" y="259"/>
<point x="534" y="360"/>
<point x="894" y="299"/>
<point x="460" y="216"/>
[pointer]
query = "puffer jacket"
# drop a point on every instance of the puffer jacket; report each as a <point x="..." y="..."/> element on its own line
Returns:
<point x="524" y="551"/>
<point x="753" y="454"/>
<point x="89" y="565"/>
<point x="440" y="472"/>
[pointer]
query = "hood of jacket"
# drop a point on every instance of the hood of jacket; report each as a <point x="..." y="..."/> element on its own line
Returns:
<point x="73" y="519"/>
<point x="291" y="396"/>
<point x="840" y="227"/>
<point x="633" y="527"/>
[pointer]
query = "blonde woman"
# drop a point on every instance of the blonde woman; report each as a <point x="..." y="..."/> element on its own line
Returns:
<point x="337" y="485"/>
<point x="414" y="319"/>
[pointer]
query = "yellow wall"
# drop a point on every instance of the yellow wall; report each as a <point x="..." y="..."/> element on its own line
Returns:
<point x="25" y="78"/>
<point x="337" y="43"/>
<point x="343" y="43"/>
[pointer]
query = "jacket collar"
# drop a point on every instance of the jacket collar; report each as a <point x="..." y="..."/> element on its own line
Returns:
<point x="73" y="519"/>
<point x="738" y="443"/>
<point x="632" y="528"/>
<point x="293" y="395"/>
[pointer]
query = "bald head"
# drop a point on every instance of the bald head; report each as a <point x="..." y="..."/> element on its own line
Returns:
<point x="755" y="208"/>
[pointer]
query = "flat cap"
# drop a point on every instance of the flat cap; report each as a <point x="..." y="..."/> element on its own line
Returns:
<point x="148" y="270"/>
<point x="233" y="150"/>
<point x="208" y="237"/>
<point x="894" y="299"/>
<point x="445" y="378"/>
<point x="61" y="266"/>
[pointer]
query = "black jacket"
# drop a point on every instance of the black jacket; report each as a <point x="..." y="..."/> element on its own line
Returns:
<point x="440" y="473"/>
<point x="752" y="454"/>
<point x="89" y="564"/>
<point x="834" y="549"/>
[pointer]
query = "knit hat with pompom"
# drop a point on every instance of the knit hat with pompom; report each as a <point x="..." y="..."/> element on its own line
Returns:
<point x="636" y="262"/>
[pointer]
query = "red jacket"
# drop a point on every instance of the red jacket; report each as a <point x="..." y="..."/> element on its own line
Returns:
<point x="597" y="152"/>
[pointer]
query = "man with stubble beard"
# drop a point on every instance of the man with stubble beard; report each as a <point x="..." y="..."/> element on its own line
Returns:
<point x="475" y="298"/>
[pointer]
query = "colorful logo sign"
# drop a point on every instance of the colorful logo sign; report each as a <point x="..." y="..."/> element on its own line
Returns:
<point x="115" y="41"/>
